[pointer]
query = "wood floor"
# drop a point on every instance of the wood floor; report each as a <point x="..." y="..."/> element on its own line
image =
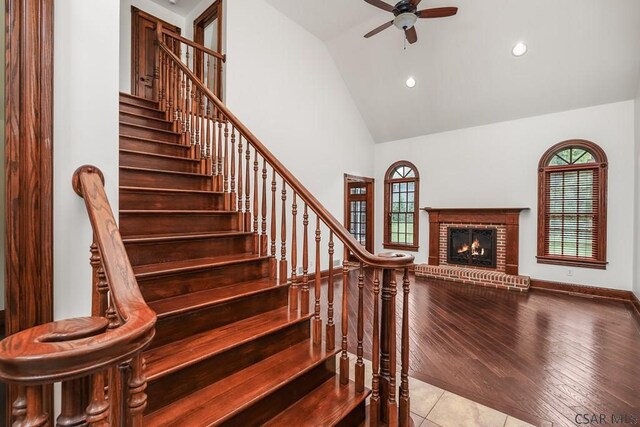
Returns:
<point x="541" y="357"/>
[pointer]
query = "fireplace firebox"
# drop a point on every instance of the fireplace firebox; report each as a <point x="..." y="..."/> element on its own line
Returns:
<point x="472" y="247"/>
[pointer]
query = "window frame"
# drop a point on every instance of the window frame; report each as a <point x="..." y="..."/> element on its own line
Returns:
<point x="601" y="167"/>
<point x="388" y="181"/>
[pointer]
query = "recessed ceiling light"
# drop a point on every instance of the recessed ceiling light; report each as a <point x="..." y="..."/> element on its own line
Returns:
<point x="411" y="82"/>
<point x="519" y="49"/>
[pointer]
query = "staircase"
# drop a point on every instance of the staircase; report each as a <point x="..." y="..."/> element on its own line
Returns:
<point x="228" y="349"/>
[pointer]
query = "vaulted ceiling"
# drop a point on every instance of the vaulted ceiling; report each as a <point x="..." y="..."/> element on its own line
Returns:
<point x="581" y="53"/>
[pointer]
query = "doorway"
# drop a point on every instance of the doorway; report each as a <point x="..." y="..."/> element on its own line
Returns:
<point x="208" y="31"/>
<point x="358" y="209"/>
<point x="143" y="52"/>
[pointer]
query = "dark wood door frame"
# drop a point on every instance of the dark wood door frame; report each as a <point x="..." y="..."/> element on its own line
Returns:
<point x="136" y="15"/>
<point x="349" y="179"/>
<point x="29" y="169"/>
<point x="212" y="13"/>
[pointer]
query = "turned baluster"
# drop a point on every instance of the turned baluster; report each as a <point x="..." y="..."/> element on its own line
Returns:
<point x="100" y="287"/>
<point x="263" y="236"/>
<point x="293" y="289"/>
<point x="137" y="399"/>
<point x="183" y="107"/>
<point x="389" y="410"/>
<point x="283" y="236"/>
<point x="19" y="407"/>
<point x="111" y="314"/>
<point x="28" y="408"/>
<point x="374" y="403"/>
<point x="230" y="201"/>
<point x="331" y="327"/>
<point x="256" y="239"/>
<point x="272" y="261"/>
<point x="359" y="368"/>
<point x="247" y="190"/>
<point x="98" y="409"/>
<point x="74" y="400"/>
<point x="206" y="134"/>
<point x="405" y="414"/>
<point x="188" y="123"/>
<point x="220" y="153"/>
<point x="240" y="204"/>
<point x="317" y="321"/>
<point x="344" y="357"/>
<point x="225" y="160"/>
<point x="304" y="292"/>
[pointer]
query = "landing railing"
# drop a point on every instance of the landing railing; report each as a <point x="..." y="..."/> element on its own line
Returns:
<point x="97" y="359"/>
<point x="269" y="201"/>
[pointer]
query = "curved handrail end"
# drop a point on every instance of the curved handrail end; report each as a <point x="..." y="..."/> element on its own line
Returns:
<point x="75" y="181"/>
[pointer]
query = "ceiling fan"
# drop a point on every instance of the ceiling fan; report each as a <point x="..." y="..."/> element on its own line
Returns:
<point x="406" y="14"/>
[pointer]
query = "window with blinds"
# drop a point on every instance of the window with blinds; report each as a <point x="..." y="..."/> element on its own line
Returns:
<point x="401" y="206"/>
<point x="572" y="202"/>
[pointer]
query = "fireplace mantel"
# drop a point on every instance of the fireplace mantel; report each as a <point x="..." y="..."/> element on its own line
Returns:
<point x="509" y="217"/>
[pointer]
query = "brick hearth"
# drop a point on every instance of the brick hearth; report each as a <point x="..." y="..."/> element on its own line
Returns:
<point x="505" y="221"/>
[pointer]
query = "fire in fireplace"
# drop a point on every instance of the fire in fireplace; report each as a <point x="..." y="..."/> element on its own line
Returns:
<point x="472" y="246"/>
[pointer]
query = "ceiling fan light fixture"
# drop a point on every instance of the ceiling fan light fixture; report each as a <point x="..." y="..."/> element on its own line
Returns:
<point x="411" y="82"/>
<point x="405" y="20"/>
<point x="519" y="49"/>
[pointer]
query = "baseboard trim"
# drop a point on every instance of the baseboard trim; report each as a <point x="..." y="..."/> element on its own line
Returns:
<point x="635" y="302"/>
<point x="582" y="290"/>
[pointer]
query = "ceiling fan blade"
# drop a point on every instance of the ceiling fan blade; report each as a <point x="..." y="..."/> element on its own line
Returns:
<point x="412" y="35"/>
<point x="380" y="4"/>
<point x="377" y="30"/>
<point x="438" y="12"/>
<point x="415" y="2"/>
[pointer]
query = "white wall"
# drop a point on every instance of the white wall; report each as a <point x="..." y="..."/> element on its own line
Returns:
<point x="636" y="264"/>
<point x="283" y="84"/>
<point x="85" y="131"/>
<point x="496" y="166"/>
<point x="125" y="33"/>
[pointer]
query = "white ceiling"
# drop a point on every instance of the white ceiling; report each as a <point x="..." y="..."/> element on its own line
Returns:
<point x="182" y="7"/>
<point x="581" y="53"/>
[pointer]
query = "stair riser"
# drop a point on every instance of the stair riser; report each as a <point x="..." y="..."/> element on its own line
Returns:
<point x="139" y="160"/>
<point x="356" y="417"/>
<point x="166" y="286"/>
<point x="142" y="224"/>
<point x="174" y="386"/>
<point x="151" y="179"/>
<point x="138" y="200"/>
<point x="145" y="121"/>
<point x="133" y="130"/>
<point x="170" y="329"/>
<point x="153" y="147"/>
<point x="268" y="407"/>
<point x="178" y="250"/>
<point x="128" y="108"/>
<point x="137" y="101"/>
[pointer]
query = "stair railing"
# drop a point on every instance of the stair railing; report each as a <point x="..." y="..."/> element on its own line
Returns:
<point x="97" y="359"/>
<point x="261" y="190"/>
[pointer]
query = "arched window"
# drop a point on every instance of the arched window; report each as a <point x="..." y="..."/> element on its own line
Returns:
<point x="572" y="205"/>
<point x="401" y="188"/>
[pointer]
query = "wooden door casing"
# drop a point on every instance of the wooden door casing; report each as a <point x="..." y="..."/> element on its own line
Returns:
<point x="353" y="182"/>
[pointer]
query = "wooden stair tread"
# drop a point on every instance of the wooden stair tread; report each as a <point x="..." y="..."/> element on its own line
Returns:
<point x="164" y="156"/>
<point x="151" y="128"/>
<point x="196" y="300"/>
<point x="143" y="107"/>
<point x="183" y="236"/>
<point x="201" y="175"/>
<point x="168" y="190"/>
<point x="180" y="354"/>
<point x="142" y="116"/>
<point x="141" y="138"/>
<point x="194" y="264"/>
<point x="177" y="212"/>
<point x="225" y="398"/>
<point x="325" y="406"/>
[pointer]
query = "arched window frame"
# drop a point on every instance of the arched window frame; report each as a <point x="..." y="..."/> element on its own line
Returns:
<point x="388" y="182"/>
<point x="600" y="168"/>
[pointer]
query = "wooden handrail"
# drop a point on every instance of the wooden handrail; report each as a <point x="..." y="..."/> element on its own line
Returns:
<point x="67" y="349"/>
<point x="382" y="261"/>
<point x="195" y="45"/>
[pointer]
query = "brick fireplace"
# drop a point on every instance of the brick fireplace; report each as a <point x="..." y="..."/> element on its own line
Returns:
<point x="475" y="246"/>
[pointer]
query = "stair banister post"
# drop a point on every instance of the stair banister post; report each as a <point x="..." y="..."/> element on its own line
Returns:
<point x="156" y="66"/>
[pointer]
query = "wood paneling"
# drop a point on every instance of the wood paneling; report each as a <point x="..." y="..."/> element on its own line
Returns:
<point x="29" y="167"/>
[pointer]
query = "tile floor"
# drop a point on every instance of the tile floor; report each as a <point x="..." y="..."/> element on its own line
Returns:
<point x="434" y="407"/>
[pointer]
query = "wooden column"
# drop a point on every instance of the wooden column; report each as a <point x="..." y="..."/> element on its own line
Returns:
<point x="29" y="170"/>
